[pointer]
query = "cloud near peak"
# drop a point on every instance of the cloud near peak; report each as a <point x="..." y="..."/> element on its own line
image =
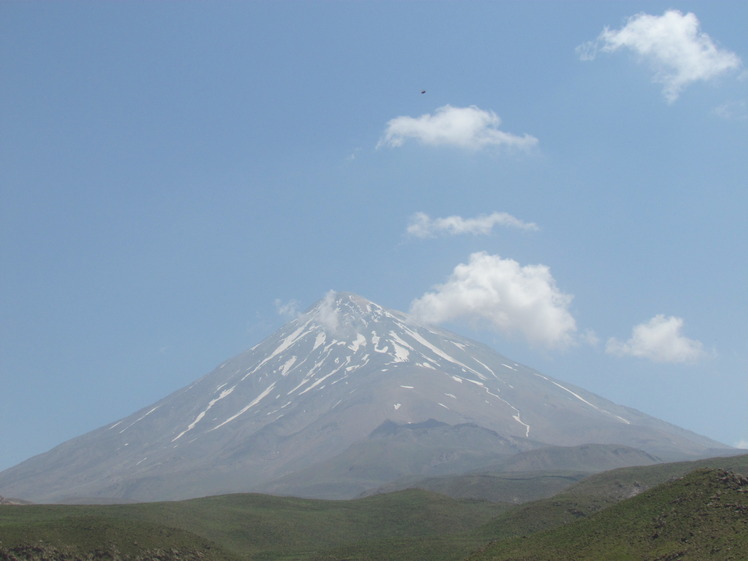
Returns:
<point x="288" y="310"/>
<point x="660" y="340"/>
<point x="508" y="297"/>
<point x="464" y="127"/>
<point x="674" y="46"/>
<point x="423" y="226"/>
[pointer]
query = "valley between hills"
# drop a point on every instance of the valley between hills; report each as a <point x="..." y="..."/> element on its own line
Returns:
<point x="685" y="511"/>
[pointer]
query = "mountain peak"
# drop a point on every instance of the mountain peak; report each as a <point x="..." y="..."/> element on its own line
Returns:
<point x="344" y="314"/>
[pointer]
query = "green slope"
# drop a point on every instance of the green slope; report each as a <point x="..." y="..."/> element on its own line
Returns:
<point x="509" y="487"/>
<point x="269" y="527"/>
<point x="629" y="505"/>
<point x="702" y="516"/>
<point x="63" y="533"/>
<point x="596" y="493"/>
<point x="259" y="527"/>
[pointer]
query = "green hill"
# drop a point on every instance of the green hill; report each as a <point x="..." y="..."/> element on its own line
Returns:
<point x="618" y="515"/>
<point x="702" y="516"/>
<point x="250" y="526"/>
<point x="51" y="533"/>
<point x="529" y="476"/>
<point x="510" y="487"/>
<point x="596" y="493"/>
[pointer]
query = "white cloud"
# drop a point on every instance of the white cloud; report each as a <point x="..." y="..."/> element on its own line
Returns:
<point x="464" y="127"/>
<point x="423" y="226"/>
<point x="732" y="111"/>
<point x="660" y="340"/>
<point x="672" y="44"/>
<point x="589" y="337"/>
<point x="507" y="296"/>
<point x="742" y="444"/>
<point x="288" y="309"/>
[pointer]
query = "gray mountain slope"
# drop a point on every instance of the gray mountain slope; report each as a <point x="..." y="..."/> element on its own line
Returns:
<point x="322" y="383"/>
<point x="393" y="452"/>
<point x="526" y="476"/>
<point x="428" y="455"/>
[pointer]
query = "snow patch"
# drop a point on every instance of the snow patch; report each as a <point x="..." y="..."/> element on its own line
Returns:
<point x="517" y="413"/>
<point x="399" y="341"/>
<point x="580" y="398"/>
<point x="487" y="368"/>
<point x="200" y="416"/>
<point x="254" y="402"/>
<point x="139" y="419"/>
<point x="287" y="366"/>
<point x="285" y="344"/>
<point x="438" y="352"/>
<point x="358" y="343"/>
<point x="321" y="336"/>
<point x="325" y="377"/>
<point x="401" y="353"/>
<point x="375" y="341"/>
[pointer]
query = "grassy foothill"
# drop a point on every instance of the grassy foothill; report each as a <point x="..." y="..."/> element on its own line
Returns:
<point x="690" y="511"/>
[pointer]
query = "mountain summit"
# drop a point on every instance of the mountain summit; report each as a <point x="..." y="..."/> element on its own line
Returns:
<point x="344" y="381"/>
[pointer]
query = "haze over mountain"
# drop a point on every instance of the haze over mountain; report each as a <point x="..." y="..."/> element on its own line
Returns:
<point x="345" y="382"/>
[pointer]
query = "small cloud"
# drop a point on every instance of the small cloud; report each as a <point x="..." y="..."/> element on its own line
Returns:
<point x="423" y="226"/>
<point x="589" y="337"/>
<point x="742" y="444"/>
<point x="510" y="298"/>
<point x="732" y="111"/>
<point x="464" y="127"/>
<point x="288" y="309"/>
<point x="659" y="340"/>
<point x="674" y="46"/>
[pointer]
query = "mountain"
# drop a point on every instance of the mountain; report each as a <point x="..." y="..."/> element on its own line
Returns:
<point x="347" y="379"/>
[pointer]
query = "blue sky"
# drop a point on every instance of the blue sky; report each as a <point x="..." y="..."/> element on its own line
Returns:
<point x="176" y="178"/>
